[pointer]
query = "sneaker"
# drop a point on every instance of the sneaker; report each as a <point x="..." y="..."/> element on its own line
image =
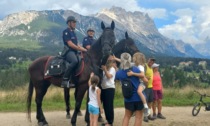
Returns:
<point x="65" y="84"/>
<point x="154" y="116"/>
<point x="146" y="119"/>
<point x="161" y="116"/>
<point x="146" y="112"/>
<point x="150" y="117"/>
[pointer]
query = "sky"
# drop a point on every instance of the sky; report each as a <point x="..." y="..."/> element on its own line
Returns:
<point x="187" y="20"/>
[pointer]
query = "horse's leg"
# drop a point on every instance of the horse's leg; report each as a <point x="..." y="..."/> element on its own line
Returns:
<point x="41" y="89"/>
<point x="79" y="96"/>
<point x="87" y="114"/>
<point x="67" y="97"/>
<point x="79" y="112"/>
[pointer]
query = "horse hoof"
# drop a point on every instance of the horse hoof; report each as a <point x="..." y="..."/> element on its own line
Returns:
<point x="42" y="124"/>
<point x="100" y="120"/>
<point x="73" y="124"/>
<point x="68" y="116"/>
<point x="79" y="113"/>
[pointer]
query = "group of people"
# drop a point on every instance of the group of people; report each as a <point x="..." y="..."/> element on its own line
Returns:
<point x="147" y="89"/>
<point x="145" y="77"/>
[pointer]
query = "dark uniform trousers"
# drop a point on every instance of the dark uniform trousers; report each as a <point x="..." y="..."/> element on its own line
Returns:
<point x="71" y="58"/>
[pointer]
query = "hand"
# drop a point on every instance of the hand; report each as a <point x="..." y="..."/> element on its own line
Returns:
<point x="82" y="49"/>
<point x="103" y="67"/>
<point x="91" y="74"/>
<point x="130" y="73"/>
<point x="148" y="77"/>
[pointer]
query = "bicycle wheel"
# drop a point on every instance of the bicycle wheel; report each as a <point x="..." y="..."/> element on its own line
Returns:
<point x="196" y="109"/>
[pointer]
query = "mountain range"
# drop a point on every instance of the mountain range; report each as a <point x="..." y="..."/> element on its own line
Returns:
<point x="32" y="30"/>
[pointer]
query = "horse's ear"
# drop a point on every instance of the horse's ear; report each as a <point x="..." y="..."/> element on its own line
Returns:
<point x="102" y="25"/>
<point x="112" y="25"/>
<point x="126" y="35"/>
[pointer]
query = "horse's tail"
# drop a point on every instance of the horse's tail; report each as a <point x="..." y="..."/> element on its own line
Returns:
<point x="29" y="98"/>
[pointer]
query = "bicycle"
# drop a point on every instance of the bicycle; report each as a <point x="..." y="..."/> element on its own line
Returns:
<point x="197" y="106"/>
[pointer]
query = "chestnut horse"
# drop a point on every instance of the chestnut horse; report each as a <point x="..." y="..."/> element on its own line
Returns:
<point x="93" y="58"/>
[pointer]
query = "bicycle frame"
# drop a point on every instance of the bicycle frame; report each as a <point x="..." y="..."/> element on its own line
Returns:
<point x="197" y="106"/>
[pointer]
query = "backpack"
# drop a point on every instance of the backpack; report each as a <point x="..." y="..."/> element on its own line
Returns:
<point x="127" y="88"/>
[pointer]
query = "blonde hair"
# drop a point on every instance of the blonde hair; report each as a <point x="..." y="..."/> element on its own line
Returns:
<point x="125" y="61"/>
<point x="94" y="82"/>
<point x="139" y="59"/>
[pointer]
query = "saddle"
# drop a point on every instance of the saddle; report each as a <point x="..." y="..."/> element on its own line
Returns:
<point x="56" y="66"/>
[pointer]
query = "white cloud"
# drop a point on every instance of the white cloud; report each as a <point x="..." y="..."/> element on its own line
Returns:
<point x="160" y="13"/>
<point x="191" y="26"/>
<point x="84" y="7"/>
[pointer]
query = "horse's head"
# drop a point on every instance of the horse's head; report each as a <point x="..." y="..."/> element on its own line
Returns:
<point x="107" y="39"/>
<point x="125" y="45"/>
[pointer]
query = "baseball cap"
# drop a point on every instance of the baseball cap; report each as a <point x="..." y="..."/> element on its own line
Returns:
<point x="155" y="65"/>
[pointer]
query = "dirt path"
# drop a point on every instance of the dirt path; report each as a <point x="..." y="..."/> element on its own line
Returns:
<point x="175" y="116"/>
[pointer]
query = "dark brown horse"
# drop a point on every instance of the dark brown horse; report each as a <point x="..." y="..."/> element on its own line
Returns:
<point x="94" y="58"/>
<point x="125" y="45"/>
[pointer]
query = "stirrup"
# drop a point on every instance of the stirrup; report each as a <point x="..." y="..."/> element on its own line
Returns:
<point x="65" y="84"/>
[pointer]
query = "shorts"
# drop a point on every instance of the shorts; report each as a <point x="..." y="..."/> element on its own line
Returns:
<point x="157" y="94"/>
<point x="149" y="94"/>
<point x="93" y="110"/>
<point x="143" y="86"/>
<point x="133" y="106"/>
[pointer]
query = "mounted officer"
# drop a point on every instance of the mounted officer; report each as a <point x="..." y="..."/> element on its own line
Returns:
<point x="88" y="40"/>
<point x="71" y="49"/>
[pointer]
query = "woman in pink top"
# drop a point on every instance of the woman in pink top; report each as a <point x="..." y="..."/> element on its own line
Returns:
<point x="157" y="92"/>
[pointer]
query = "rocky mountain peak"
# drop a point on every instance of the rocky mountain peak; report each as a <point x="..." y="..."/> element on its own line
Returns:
<point x="137" y="22"/>
<point x="46" y="26"/>
<point x="16" y="19"/>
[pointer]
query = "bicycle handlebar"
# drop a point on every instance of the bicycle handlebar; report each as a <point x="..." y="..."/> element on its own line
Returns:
<point x="201" y="94"/>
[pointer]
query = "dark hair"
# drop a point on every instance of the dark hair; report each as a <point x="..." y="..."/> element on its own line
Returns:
<point x="94" y="82"/>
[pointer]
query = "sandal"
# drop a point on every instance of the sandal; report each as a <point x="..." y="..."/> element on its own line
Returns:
<point x="104" y="124"/>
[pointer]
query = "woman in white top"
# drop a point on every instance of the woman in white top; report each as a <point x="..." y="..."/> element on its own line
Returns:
<point x="108" y="91"/>
<point x="94" y="99"/>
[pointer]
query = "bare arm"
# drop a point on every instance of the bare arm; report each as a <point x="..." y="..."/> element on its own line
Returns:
<point x="108" y="75"/>
<point x="72" y="45"/>
<point x="116" y="59"/>
<point x="140" y="75"/>
<point x="131" y="73"/>
<point x="89" y="81"/>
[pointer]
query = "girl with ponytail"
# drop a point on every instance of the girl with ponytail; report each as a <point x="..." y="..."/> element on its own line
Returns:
<point x="94" y="99"/>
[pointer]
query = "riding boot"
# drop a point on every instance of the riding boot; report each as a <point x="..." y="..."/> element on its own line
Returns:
<point x="66" y="76"/>
<point x="65" y="82"/>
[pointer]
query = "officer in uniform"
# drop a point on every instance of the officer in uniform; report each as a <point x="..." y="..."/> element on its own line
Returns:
<point x="70" y="40"/>
<point x="89" y="40"/>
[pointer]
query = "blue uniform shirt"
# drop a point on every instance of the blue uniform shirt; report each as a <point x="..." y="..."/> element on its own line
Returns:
<point x="122" y="74"/>
<point x="69" y="34"/>
<point x="88" y="41"/>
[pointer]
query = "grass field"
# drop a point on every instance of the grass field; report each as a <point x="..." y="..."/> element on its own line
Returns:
<point x="12" y="101"/>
